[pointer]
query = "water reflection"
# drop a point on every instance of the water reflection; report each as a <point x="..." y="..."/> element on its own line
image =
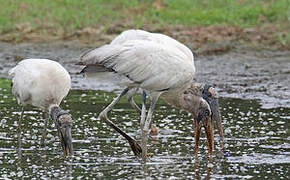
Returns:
<point x="257" y="142"/>
<point x="197" y="169"/>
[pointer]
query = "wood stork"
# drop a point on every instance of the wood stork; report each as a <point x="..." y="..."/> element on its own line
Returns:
<point x="44" y="83"/>
<point x="160" y="66"/>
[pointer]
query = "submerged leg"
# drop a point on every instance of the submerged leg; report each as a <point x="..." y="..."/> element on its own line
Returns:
<point x="103" y="116"/>
<point x="145" y="130"/>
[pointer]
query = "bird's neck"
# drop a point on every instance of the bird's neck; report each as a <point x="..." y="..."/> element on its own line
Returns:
<point x="187" y="99"/>
<point x="175" y="99"/>
<point x="55" y="111"/>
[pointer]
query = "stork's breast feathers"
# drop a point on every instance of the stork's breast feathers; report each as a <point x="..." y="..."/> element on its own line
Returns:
<point x="146" y="62"/>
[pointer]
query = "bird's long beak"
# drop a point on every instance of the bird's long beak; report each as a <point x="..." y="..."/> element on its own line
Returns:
<point x="204" y="118"/>
<point x="208" y="126"/>
<point x="216" y="116"/>
<point x="65" y="138"/>
<point x="63" y="123"/>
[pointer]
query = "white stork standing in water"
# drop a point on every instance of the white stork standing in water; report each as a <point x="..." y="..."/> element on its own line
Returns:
<point x="44" y="83"/>
<point x="161" y="67"/>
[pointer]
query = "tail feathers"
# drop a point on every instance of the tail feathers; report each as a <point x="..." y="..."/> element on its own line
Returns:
<point x="100" y="59"/>
<point x="96" y="68"/>
<point x="104" y="55"/>
<point x="11" y="72"/>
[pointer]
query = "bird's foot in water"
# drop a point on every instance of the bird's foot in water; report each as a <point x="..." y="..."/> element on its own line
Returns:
<point x="149" y="154"/>
<point x="154" y="129"/>
<point x="137" y="150"/>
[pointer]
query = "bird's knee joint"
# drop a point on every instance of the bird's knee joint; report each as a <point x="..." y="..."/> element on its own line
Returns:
<point x="129" y="98"/>
<point x="146" y="130"/>
<point x="103" y="115"/>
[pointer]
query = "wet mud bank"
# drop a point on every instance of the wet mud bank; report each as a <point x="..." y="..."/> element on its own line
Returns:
<point x="244" y="72"/>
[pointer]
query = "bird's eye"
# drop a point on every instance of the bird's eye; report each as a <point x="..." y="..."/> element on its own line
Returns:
<point x="207" y="113"/>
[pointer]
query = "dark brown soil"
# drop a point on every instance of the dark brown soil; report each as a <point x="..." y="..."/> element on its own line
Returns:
<point x="203" y="40"/>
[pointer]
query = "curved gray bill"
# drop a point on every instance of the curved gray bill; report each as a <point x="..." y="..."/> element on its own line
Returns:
<point x="216" y="116"/>
<point x="204" y="118"/>
<point x="66" y="140"/>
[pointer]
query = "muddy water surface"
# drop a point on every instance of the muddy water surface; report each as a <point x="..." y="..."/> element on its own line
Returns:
<point x="257" y="142"/>
<point x="257" y="139"/>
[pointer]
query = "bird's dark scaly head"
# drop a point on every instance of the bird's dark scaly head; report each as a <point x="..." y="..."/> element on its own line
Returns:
<point x="197" y="104"/>
<point x="204" y="112"/>
<point x="63" y="122"/>
<point x="193" y="101"/>
<point x="211" y="96"/>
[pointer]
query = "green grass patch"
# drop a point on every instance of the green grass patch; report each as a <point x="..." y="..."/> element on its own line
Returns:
<point x="66" y="15"/>
<point x="211" y="12"/>
<point x="69" y="15"/>
<point x="5" y="83"/>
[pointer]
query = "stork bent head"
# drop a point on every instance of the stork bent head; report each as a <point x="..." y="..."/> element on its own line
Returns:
<point x="63" y="122"/>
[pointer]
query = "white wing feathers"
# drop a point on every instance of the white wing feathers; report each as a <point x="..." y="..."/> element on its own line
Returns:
<point x="154" y="37"/>
<point x="146" y="63"/>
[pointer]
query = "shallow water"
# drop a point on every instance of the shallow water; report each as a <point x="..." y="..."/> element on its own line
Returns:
<point x="257" y="142"/>
<point x="243" y="72"/>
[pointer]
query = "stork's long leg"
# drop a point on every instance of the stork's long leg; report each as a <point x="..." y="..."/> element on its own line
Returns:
<point x="19" y="130"/>
<point x="142" y="124"/>
<point x="46" y="118"/>
<point x="131" y="93"/>
<point x="143" y="112"/>
<point x="103" y="116"/>
<point x="145" y="130"/>
<point x="20" y="120"/>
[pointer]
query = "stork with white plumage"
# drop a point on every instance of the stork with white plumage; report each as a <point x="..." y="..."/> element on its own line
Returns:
<point x="161" y="67"/>
<point x="44" y="84"/>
